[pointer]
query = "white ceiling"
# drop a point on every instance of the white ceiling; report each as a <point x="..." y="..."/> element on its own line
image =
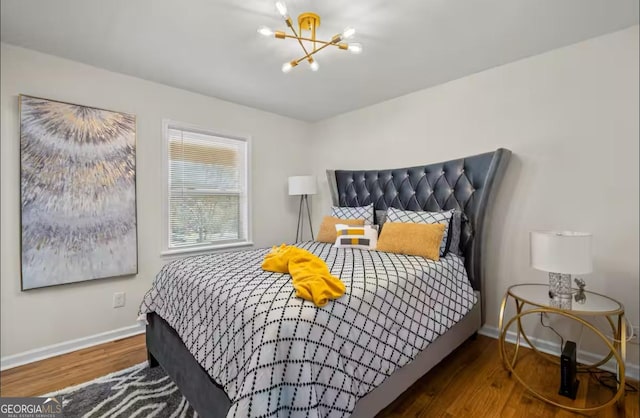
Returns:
<point x="211" y="46"/>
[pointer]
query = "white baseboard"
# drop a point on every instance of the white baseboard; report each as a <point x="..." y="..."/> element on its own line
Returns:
<point x="37" y="354"/>
<point x="632" y="371"/>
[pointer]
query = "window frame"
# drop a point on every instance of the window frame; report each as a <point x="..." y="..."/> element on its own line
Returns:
<point x="245" y="200"/>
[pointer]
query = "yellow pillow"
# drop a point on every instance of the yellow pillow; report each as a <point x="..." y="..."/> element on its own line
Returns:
<point x="411" y="239"/>
<point x="328" y="228"/>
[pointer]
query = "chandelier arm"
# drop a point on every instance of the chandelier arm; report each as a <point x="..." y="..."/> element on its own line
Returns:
<point x="309" y="54"/>
<point x="306" y="39"/>
<point x="313" y="36"/>
<point x="296" y="36"/>
<point x="311" y="40"/>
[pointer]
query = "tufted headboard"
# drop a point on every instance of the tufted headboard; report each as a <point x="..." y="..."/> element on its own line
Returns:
<point x="465" y="184"/>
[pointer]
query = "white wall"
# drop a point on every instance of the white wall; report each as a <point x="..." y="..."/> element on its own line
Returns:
<point x="570" y="116"/>
<point x="41" y="317"/>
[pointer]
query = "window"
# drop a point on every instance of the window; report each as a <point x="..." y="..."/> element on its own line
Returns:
<point x="207" y="204"/>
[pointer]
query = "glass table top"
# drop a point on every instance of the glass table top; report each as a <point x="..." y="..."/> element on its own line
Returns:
<point x="538" y="294"/>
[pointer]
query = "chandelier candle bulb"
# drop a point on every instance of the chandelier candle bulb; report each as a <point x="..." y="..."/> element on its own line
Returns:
<point x="348" y="32"/>
<point x="286" y="67"/>
<point x="282" y="9"/>
<point x="314" y="65"/>
<point x="265" y="31"/>
<point x="355" y="48"/>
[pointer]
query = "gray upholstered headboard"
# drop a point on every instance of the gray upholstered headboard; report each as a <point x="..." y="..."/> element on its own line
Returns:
<point x="465" y="184"/>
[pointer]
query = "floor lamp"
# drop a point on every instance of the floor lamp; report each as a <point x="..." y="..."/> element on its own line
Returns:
<point x="303" y="186"/>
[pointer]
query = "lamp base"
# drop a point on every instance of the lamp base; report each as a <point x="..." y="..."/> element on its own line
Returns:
<point x="560" y="286"/>
<point x="560" y="291"/>
<point x="561" y="302"/>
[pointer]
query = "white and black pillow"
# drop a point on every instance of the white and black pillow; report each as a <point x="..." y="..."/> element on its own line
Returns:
<point x="409" y="216"/>
<point x="354" y="212"/>
<point x="381" y="217"/>
<point x="363" y="237"/>
<point x="455" y="232"/>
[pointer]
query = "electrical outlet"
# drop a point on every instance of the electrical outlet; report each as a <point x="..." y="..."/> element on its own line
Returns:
<point x="118" y="299"/>
<point x="635" y="339"/>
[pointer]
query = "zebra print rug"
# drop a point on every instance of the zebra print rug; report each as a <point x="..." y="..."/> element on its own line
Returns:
<point x="138" y="392"/>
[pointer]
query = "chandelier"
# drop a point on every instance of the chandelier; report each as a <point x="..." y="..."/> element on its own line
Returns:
<point x="307" y="24"/>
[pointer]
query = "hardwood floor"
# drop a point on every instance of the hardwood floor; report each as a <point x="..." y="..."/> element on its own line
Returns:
<point x="469" y="383"/>
<point x="74" y="368"/>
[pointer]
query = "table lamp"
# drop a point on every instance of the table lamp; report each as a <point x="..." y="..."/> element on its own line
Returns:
<point x="303" y="186"/>
<point x="561" y="254"/>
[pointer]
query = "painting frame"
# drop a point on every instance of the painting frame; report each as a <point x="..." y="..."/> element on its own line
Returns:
<point x="128" y="122"/>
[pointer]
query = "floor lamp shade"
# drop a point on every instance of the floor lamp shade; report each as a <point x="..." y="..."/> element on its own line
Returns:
<point x="302" y="185"/>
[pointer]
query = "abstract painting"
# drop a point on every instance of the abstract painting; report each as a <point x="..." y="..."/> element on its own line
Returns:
<point x="78" y="193"/>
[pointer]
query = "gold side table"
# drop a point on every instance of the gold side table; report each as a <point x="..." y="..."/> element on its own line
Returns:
<point x="532" y="299"/>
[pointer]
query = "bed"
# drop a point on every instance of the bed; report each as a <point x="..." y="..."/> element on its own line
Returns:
<point x="215" y="315"/>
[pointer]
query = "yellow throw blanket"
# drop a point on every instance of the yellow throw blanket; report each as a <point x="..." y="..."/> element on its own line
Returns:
<point x="310" y="275"/>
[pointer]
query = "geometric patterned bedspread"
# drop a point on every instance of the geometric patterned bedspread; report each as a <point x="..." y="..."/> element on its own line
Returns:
<point x="276" y="355"/>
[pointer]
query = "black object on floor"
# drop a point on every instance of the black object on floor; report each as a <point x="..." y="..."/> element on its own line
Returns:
<point x="568" y="369"/>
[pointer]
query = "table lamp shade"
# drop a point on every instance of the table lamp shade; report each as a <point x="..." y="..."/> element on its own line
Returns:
<point x="561" y="252"/>
<point x="301" y="185"/>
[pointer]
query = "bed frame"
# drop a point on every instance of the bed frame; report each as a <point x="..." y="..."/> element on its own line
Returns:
<point x="466" y="184"/>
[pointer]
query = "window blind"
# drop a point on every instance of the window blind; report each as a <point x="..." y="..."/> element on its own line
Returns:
<point x="207" y="189"/>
